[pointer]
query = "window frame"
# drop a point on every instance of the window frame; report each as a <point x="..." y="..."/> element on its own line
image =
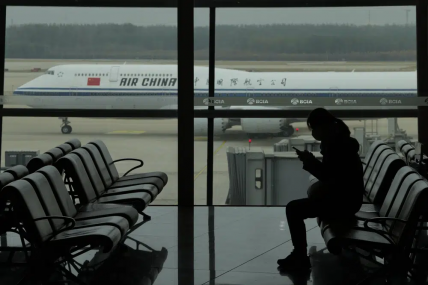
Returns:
<point x="185" y="112"/>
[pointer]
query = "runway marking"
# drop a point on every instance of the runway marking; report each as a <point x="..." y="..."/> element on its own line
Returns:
<point x="205" y="167"/>
<point x="126" y="133"/>
<point x="201" y="138"/>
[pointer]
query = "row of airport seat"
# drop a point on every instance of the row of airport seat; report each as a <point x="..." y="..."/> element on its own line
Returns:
<point x="412" y="159"/>
<point x="388" y="224"/>
<point x="36" y="204"/>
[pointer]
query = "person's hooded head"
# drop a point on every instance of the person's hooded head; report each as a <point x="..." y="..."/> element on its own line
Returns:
<point x="325" y="126"/>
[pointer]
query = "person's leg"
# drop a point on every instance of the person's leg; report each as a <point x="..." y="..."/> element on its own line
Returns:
<point x="297" y="211"/>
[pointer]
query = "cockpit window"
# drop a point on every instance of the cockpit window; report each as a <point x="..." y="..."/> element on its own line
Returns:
<point x="50" y="72"/>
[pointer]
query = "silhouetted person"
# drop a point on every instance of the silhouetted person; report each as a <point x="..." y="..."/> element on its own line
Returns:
<point x="339" y="192"/>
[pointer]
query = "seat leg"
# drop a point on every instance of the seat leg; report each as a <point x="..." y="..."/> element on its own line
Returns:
<point x="67" y="274"/>
<point x="146" y="217"/>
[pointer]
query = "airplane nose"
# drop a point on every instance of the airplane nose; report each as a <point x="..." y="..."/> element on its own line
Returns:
<point x="16" y="92"/>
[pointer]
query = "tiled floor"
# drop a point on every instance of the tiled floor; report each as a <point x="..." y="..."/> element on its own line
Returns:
<point x="222" y="245"/>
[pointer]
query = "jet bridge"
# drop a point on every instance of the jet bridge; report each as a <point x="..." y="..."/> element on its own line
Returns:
<point x="275" y="176"/>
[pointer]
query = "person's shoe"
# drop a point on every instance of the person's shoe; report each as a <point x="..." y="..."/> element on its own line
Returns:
<point x="295" y="261"/>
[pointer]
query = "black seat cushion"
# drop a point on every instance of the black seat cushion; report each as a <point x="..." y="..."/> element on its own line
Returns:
<point x="39" y="161"/>
<point x="99" y="186"/>
<point x="115" y="221"/>
<point x="85" y="187"/>
<point x="18" y="171"/>
<point x="89" y="211"/>
<point x="401" y="144"/>
<point x="65" y="148"/>
<point x="138" y="200"/>
<point x="55" y="153"/>
<point x="382" y="177"/>
<point x="107" y="237"/>
<point x="148" y="188"/>
<point x="155" y="181"/>
<point x="157" y="174"/>
<point x="28" y="206"/>
<point x="74" y="143"/>
<point x="409" y="204"/>
<point x="108" y="160"/>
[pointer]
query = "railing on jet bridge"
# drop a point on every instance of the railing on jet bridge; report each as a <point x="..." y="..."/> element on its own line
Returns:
<point x="301" y="142"/>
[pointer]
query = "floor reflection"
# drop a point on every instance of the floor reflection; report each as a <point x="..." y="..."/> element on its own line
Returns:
<point x="216" y="246"/>
<point x="129" y="266"/>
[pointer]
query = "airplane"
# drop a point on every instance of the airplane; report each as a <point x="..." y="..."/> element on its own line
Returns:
<point x="127" y="86"/>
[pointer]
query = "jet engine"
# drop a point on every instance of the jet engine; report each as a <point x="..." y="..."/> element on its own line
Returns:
<point x="266" y="126"/>
<point x="220" y="126"/>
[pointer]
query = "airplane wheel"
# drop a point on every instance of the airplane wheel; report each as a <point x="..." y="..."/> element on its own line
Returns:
<point x="66" y="129"/>
<point x="288" y="132"/>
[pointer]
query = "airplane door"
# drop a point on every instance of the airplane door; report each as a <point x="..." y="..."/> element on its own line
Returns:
<point x="114" y="74"/>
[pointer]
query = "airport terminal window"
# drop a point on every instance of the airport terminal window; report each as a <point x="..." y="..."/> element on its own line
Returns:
<point x="152" y="140"/>
<point x="280" y="55"/>
<point x="268" y="136"/>
<point x="114" y="61"/>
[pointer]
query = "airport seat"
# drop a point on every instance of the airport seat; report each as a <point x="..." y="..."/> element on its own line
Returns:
<point x="370" y="160"/>
<point x="12" y="174"/>
<point x="372" y="149"/>
<point x="401" y="144"/>
<point x="65" y="148"/>
<point x="74" y="143"/>
<point x="408" y="152"/>
<point x="84" y="211"/>
<point x="50" y="202"/>
<point x="39" y="161"/>
<point x="110" y="163"/>
<point x="88" y="192"/>
<point x="383" y="173"/>
<point x="391" y="234"/>
<point x="377" y="185"/>
<point x="18" y="171"/>
<point x="55" y="236"/>
<point x="96" y="179"/>
<point x="375" y="210"/>
<point x="55" y="153"/>
<point x="91" y="156"/>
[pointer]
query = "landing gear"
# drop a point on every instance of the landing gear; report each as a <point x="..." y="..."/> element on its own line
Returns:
<point x="65" y="127"/>
<point x="288" y="131"/>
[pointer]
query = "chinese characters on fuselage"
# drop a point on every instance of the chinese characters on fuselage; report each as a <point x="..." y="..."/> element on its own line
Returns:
<point x="172" y="82"/>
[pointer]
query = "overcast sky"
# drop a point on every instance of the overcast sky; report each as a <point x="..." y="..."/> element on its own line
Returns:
<point x="158" y="16"/>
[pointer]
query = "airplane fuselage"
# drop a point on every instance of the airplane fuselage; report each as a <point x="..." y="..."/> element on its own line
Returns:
<point x="155" y="87"/>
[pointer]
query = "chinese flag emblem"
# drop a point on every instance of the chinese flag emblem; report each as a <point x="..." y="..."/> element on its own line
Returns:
<point x="94" y="81"/>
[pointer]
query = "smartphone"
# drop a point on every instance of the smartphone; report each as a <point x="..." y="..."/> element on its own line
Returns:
<point x="297" y="150"/>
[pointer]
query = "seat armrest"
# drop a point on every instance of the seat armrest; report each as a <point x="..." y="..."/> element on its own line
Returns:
<point x="381" y="220"/>
<point x="65" y="218"/>
<point x="131" y="159"/>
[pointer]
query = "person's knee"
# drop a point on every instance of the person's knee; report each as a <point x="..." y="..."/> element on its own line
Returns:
<point x="292" y="207"/>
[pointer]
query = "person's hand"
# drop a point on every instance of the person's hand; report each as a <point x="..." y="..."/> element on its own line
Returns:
<point x="306" y="156"/>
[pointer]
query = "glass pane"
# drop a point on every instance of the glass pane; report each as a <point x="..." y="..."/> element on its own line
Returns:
<point x="103" y="58"/>
<point x="256" y="163"/>
<point x="152" y="140"/>
<point x="352" y="58"/>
